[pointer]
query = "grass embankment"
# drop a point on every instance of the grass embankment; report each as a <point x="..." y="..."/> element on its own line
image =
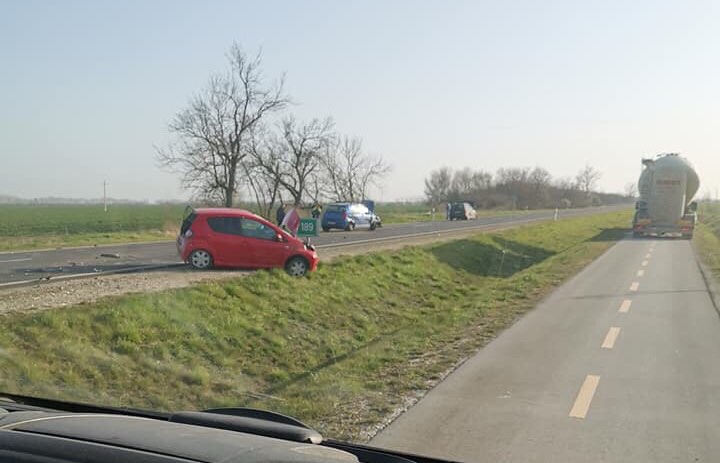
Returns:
<point x="707" y="236"/>
<point x="340" y="349"/>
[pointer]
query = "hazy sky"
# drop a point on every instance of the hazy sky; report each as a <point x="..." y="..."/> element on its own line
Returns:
<point x="87" y="88"/>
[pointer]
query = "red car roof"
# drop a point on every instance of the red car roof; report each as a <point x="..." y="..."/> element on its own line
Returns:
<point x="224" y="211"/>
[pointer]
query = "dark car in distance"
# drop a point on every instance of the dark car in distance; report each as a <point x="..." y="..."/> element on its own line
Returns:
<point x="462" y="211"/>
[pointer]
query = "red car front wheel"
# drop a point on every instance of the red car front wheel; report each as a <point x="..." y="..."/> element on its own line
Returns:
<point x="297" y="266"/>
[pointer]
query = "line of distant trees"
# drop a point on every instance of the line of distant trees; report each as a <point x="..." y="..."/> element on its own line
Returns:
<point x="516" y="188"/>
<point x="237" y="136"/>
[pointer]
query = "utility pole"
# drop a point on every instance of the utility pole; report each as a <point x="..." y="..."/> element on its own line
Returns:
<point x="105" y="195"/>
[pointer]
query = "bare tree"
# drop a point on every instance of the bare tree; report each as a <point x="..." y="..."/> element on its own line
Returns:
<point x="631" y="189"/>
<point x="337" y="160"/>
<point x="264" y="188"/>
<point x="437" y="185"/>
<point x="512" y="176"/>
<point x="481" y="180"/>
<point x="370" y="171"/>
<point x="514" y="182"/>
<point x="539" y="179"/>
<point x="213" y="132"/>
<point x="292" y="158"/>
<point x="462" y="184"/>
<point x="348" y="173"/>
<point x="587" y="178"/>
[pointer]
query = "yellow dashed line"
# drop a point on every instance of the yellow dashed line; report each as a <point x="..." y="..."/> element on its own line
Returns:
<point x="625" y="306"/>
<point x="584" y="397"/>
<point x="611" y="337"/>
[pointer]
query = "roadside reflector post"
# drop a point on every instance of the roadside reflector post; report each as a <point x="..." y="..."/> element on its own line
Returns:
<point x="502" y="261"/>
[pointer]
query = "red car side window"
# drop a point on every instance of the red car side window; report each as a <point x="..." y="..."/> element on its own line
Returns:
<point x="226" y="225"/>
<point x="254" y="229"/>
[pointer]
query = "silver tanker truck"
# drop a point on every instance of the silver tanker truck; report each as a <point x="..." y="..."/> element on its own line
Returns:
<point x="667" y="186"/>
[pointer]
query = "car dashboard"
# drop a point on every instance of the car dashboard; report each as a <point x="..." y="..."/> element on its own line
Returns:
<point x="39" y="431"/>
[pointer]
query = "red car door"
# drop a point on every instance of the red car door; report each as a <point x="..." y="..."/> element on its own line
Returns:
<point x="264" y="249"/>
<point x="229" y="246"/>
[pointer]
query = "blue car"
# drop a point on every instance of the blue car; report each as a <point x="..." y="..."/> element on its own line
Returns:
<point x="348" y="216"/>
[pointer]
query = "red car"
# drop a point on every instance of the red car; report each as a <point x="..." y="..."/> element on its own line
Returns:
<point x="220" y="237"/>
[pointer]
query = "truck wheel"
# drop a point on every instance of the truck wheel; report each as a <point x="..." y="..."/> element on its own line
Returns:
<point x="325" y="229"/>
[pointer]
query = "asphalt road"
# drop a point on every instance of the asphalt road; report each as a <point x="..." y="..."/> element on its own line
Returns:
<point x="32" y="266"/>
<point x="619" y="364"/>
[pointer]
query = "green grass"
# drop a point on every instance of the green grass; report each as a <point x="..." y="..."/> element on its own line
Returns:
<point x="340" y="349"/>
<point x="707" y="236"/>
<point x="76" y="219"/>
<point x="41" y="226"/>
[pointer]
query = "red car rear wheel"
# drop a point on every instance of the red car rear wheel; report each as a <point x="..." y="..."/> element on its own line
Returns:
<point x="200" y="259"/>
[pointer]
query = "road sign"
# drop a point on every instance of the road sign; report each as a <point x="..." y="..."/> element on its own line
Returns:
<point x="308" y="227"/>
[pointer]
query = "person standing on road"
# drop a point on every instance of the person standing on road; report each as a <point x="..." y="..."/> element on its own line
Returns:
<point x="280" y="214"/>
<point x="316" y="210"/>
<point x="447" y="211"/>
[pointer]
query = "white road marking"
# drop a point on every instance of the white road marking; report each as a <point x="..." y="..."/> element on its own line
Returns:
<point x="611" y="337"/>
<point x="584" y="397"/>
<point x="625" y="306"/>
<point x="644" y="263"/>
<point x="634" y="286"/>
<point x="648" y="255"/>
<point x="641" y="272"/>
<point x="24" y="259"/>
